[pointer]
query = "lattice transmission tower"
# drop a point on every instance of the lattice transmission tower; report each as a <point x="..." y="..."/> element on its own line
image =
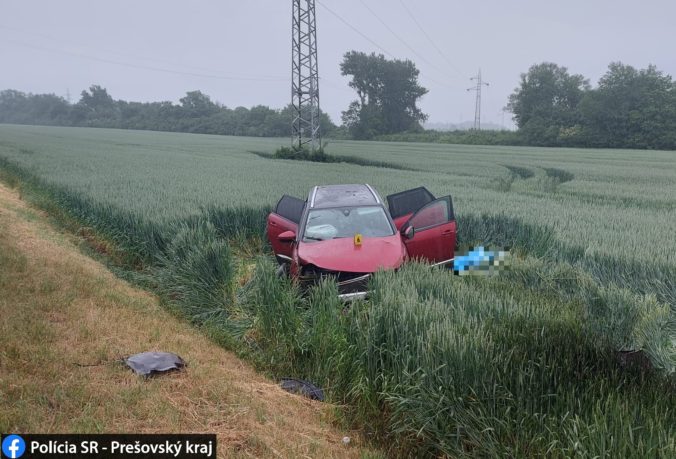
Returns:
<point x="305" y="76"/>
<point x="477" y="108"/>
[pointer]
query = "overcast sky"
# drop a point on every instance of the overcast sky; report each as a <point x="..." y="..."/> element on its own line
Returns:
<point x="239" y="52"/>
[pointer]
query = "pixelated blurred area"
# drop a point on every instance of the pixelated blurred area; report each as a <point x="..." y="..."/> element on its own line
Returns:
<point x="480" y="261"/>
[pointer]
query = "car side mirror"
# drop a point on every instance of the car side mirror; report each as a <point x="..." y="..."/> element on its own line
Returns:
<point x="408" y="232"/>
<point x="287" y="236"/>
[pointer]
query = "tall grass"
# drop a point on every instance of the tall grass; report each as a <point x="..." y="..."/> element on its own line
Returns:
<point x="188" y="262"/>
<point x="197" y="270"/>
<point x="502" y="230"/>
<point x="442" y="365"/>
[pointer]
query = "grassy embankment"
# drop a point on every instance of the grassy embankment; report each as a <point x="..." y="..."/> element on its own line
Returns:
<point x="66" y="322"/>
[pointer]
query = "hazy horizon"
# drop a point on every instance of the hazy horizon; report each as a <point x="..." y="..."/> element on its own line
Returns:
<point x="239" y="52"/>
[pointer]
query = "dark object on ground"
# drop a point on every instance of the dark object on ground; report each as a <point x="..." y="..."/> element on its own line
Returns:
<point x="634" y="359"/>
<point x="304" y="388"/>
<point x="149" y="363"/>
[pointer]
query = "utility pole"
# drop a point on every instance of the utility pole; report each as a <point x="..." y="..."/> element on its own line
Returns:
<point x="477" y="108"/>
<point x="305" y="76"/>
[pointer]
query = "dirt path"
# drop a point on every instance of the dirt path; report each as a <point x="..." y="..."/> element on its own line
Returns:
<point x="64" y="322"/>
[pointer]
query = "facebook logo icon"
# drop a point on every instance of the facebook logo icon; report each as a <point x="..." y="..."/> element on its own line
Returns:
<point x="13" y="446"/>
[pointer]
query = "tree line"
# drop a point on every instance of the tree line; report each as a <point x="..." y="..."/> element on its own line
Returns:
<point x="196" y="113"/>
<point x="629" y="108"/>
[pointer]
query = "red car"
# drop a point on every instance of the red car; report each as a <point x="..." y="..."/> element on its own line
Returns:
<point x="345" y="231"/>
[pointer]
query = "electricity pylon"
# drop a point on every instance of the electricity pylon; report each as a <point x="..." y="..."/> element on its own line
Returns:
<point x="305" y="76"/>
<point x="477" y="108"/>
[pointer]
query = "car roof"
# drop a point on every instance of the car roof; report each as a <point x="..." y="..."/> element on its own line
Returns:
<point x="342" y="195"/>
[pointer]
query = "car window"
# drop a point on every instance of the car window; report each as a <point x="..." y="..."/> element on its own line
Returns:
<point x="290" y="208"/>
<point x="369" y="221"/>
<point x="408" y="201"/>
<point x="432" y="215"/>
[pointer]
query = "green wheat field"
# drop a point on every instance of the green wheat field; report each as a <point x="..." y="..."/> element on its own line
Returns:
<point x="571" y="351"/>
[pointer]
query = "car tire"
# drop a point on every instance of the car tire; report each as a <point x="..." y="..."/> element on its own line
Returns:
<point x="283" y="270"/>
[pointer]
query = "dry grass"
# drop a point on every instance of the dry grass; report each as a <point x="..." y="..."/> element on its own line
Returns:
<point x="66" y="322"/>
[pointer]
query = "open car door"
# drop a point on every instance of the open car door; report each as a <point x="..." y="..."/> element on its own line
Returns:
<point x="402" y="205"/>
<point x="285" y="217"/>
<point x="433" y="234"/>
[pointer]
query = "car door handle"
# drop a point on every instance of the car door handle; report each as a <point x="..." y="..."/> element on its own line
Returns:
<point x="447" y="233"/>
<point x="272" y="223"/>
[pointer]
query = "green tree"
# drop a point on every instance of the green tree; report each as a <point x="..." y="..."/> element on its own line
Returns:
<point x="545" y="105"/>
<point x="388" y="93"/>
<point x="49" y="109"/>
<point x="631" y="108"/>
<point x="196" y="104"/>
<point x="96" y="108"/>
<point x="14" y="106"/>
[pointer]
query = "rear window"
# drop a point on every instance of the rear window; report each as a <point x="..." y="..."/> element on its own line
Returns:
<point x="434" y="214"/>
<point x="409" y="201"/>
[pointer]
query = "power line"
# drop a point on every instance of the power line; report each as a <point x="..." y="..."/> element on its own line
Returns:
<point x="52" y="39"/>
<point x="335" y="85"/>
<point x="354" y="29"/>
<point x="148" y="67"/>
<point x="434" y="45"/>
<point x="401" y="40"/>
<point x="145" y="58"/>
<point x="365" y="37"/>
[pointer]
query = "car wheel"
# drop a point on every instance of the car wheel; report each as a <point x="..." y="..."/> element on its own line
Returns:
<point x="283" y="270"/>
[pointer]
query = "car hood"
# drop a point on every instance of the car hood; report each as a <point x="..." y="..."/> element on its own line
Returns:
<point x="343" y="255"/>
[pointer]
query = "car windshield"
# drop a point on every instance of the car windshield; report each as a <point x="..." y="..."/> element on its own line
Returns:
<point x="324" y="224"/>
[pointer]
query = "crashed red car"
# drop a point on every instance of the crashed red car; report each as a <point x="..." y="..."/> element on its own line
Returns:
<point x="347" y="232"/>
